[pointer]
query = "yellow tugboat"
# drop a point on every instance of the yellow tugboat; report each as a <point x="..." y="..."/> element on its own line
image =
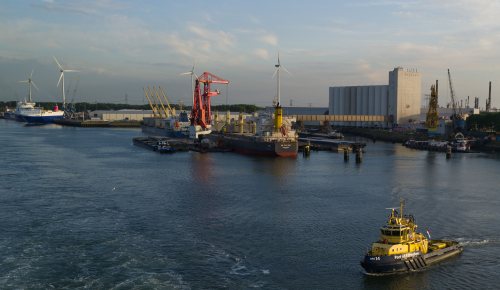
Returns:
<point x="402" y="249"/>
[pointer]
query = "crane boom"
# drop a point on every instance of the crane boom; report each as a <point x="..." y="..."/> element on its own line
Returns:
<point x="452" y="93"/>
<point x="170" y="110"/>
<point x="201" y="114"/>
<point x="161" y="103"/>
<point x="153" y="107"/>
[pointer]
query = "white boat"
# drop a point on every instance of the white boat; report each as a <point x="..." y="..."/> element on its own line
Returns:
<point x="24" y="108"/>
<point x="460" y="143"/>
<point x="28" y="112"/>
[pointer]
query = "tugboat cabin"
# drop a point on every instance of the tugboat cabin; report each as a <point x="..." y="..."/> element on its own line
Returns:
<point x="399" y="236"/>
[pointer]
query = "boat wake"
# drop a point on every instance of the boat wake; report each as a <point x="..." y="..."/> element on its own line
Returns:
<point x="476" y="242"/>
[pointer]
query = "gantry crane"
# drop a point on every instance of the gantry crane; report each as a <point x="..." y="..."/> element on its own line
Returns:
<point x="201" y="114"/>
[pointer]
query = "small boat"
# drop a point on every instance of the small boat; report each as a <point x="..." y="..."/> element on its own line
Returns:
<point x="460" y="143"/>
<point x="402" y="249"/>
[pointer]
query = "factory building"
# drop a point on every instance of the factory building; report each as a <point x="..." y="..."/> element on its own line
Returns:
<point x="399" y="101"/>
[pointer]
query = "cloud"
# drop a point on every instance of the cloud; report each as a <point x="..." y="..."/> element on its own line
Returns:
<point x="261" y="53"/>
<point x="416" y="49"/>
<point x="269" y="39"/>
<point x="90" y="7"/>
<point x="376" y="76"/>
<point x="220" y="39"/>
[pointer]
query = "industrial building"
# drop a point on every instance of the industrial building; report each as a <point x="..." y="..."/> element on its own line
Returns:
<point x="399" y="101"/>
<point x="111" y="115"/>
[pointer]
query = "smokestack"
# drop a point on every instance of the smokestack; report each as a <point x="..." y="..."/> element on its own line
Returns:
<point x="437" y="94"/>
<point x="488" y="102"/>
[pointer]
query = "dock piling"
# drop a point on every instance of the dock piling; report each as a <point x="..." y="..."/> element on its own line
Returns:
<point x="448" y="152"/>
<point x="359" y="155"/>
<point x="307" y="150"/>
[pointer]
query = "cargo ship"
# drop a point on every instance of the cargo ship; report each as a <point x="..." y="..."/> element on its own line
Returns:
<point x="271" y="134"/>
<point x="401" y="248"/>
<point x="39" y="115"/>
<point x="28" y="112"/>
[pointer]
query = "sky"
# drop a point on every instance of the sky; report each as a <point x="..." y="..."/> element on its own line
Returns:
<point x="118" y="47"/>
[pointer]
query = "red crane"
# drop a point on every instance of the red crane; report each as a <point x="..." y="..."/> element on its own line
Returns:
<point x="201" y="114"/>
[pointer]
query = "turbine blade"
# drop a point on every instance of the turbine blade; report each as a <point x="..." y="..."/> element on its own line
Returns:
<point x="186" y="73"/>
<point x="60" y="77"/>
<point x="58" y="64"/>
<point x="33" y="83"/>
<point x="275" y="71"/>
<point x="284" y="68"/>
<point x="71" y="70"/>
<point x="24" y="82"/>
<point x="31" y="75"/>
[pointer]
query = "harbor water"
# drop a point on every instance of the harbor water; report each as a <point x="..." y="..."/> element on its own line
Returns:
<point x="83" y="208"/>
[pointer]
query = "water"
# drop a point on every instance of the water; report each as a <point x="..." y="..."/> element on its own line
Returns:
<point x="84" y="208"/>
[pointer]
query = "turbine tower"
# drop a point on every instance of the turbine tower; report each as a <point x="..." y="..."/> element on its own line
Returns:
<point x="277" y="74"/>
<point x="193" y="75"/>
<point x="61" y="77"/>
<point x="30" y="82"/>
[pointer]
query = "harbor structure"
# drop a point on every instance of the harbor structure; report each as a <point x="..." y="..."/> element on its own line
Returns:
<point x="399" y="101"/>
<point x="111" y="115"/>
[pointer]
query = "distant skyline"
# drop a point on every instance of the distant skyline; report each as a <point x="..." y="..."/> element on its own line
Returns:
<point x="121" y="46"/>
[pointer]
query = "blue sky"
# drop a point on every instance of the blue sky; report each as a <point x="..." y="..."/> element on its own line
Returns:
<point x="121" y="46"/>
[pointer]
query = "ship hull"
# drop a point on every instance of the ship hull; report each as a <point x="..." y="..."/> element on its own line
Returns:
<point x="410" y="262"/>
<point x="43" y="119"/>
<point x="9" y="115"/>
<point x="252" y="146"/>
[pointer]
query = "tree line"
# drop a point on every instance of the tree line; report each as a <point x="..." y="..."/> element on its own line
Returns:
<point x="83" y="107"/>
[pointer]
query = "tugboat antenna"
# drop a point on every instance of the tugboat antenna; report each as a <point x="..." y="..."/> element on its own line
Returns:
<point x="401" y="204"/>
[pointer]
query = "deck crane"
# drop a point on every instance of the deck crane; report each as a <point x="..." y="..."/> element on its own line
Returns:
<point x="151" y="104"/>
<point x="201" y="114"/>
<point x="457" y="113"/>
<point x="163" y="109"/>
<point x="171" y="110"/>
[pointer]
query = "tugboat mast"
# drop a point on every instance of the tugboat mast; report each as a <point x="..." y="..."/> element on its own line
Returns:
<point x="401" y="205"/>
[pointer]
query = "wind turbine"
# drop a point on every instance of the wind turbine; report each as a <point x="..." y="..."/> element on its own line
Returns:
<point x="277" y="74"/>
<point x="61" y="77"/>
<point x="193" y="75"/>
<point x="30" y="82"/>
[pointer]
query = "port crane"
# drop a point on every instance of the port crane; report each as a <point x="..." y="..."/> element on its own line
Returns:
<point x="457" y="112"/>
<point x="431" y="120"/>
<point x="201" y="114"/>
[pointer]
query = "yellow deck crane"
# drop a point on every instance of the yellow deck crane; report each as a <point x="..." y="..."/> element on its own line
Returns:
<point x="154" y="108"/>
<point x="162" y="109"/>
<point x="171" y="111"/>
